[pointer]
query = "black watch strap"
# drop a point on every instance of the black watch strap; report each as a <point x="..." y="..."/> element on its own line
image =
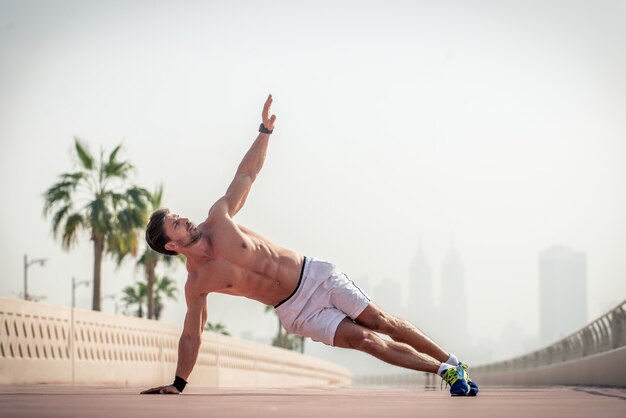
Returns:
<point x="179" y="383"/>
<point x="264" y="130"/>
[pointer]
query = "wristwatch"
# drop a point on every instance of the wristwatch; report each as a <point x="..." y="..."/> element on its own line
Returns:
<point x="264" y="130"/>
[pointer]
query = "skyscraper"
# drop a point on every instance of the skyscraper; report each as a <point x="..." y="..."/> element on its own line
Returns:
<point x="562" y="292"/>
<point x="421" y="304"/>
<point x="453" y="296"/>
<point x="453" y="302"/>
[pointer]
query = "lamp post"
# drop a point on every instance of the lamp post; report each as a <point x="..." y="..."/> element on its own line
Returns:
<point x="27" y="264"/>
<point x="111" y="296"/>
<point x="75" y="284"/>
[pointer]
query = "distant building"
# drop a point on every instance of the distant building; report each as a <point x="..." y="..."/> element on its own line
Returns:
<point x="421" y="308"/>
<point x="453" y="302"/>
<point x="562" y="292"/>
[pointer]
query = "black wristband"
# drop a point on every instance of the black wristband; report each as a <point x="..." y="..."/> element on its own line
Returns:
<point x="264" y="130"/>
<point x="179" y="383"/>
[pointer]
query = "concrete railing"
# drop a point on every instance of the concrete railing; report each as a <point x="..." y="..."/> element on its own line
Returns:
<point x="593" y="355"/>
<point x="42" y="343"/>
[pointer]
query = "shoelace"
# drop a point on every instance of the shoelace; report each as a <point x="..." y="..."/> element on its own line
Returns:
<point x="449" y="377"/>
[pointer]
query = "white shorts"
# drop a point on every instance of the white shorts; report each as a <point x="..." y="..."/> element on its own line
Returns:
<point x="323" y="297"/>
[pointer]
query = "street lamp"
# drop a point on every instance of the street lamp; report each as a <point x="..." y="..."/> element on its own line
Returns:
<point x="111" y="296"/>
<point x="75" y="284"/>
<point x="27" y="264"/>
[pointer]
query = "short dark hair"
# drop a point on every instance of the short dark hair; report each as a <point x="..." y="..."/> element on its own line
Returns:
<point x="155" y="233"/>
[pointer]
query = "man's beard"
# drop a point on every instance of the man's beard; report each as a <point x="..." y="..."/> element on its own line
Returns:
<point x="193" y="240"/>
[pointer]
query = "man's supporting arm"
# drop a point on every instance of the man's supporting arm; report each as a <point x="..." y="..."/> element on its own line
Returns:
<point x="189" y="343"/>
<point x="191" y="338"/>
<point x="248" y="169"/>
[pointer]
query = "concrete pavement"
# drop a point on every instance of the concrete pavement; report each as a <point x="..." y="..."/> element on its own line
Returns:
<point x="93" y="401"/>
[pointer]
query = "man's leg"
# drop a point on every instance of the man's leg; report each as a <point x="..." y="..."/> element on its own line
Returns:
<point x="351" y="335"/>
<point x="400" y="330"/>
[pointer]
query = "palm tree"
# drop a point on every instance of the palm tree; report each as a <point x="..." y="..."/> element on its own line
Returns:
<point x="135" y="295"/>
<point x="216" y="327"/>
<point x="278" y="340"/>
<point x="284" y="339"/>
<point x="164" y="288"/>
<point x="97" y="199"/>
<point x="150" y="258"/>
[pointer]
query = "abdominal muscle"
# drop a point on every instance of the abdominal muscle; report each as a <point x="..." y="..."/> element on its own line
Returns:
<point x="243" y="263"/>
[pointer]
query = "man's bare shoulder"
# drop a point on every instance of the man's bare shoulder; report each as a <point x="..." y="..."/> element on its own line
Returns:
<point x="213" y="275"/>
<point x="218" y="212"/>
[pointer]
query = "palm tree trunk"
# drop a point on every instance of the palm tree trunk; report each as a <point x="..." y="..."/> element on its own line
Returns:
<point x="150" y="267"/>
<point x="279" y="337"/>
<point x="98" y="251"/>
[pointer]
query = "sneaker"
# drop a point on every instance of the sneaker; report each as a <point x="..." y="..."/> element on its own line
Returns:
<point x="455" y="377"/>
<point x="472" y="385"/>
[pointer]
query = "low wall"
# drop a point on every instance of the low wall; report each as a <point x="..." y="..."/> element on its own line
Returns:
<point x="36" y="346"/>
<point x="593" y="355"/>
<point x="604" y="369"/>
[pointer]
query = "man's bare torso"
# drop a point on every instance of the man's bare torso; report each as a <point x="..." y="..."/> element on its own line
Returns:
<point x="240" y="262"/>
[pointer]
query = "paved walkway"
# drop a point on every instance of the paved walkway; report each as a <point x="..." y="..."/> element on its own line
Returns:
<point x="92" y="401"/>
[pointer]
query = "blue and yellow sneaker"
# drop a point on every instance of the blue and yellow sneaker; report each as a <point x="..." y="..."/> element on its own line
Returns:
<point x="455" y="377"/>
<point x="472" y="385"/>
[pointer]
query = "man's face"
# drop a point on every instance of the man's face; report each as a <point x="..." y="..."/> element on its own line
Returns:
<point x="180" y="231"/>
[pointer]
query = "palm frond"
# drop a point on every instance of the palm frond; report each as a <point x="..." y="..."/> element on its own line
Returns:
<point x="155" y="197"/>
<point x="61" y="191"/>
<point x="83" y="153"/>
<point x="130" y="296"/>
<point x="58" y="217"/>
<point x="138" y="197"/>
<point x="120" y="245"/>
<point x="99" y="215"/>
<point x="74" y="178"/>
<point x="143" y="289"/>
<point x="116" y="199"/>
<point x="119" y="170"/>
<point x="113" y="168"/>
<point x="134" y="294"/>
<point x="73" y="223"/>
<point x="216" y="327"/>
<point x="113" y="154"/>
<point x="165" y="286"/>
<point x="55" y="195"/>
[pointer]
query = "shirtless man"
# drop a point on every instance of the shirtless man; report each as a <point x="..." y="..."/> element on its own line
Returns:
<point x="312" y="297"/>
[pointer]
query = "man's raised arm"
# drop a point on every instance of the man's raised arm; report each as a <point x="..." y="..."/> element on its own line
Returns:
<point x="188" y="345"/>
<point x="249" y="167"/>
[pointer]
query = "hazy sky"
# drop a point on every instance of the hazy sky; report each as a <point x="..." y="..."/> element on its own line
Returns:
<point x="502" y="124"/>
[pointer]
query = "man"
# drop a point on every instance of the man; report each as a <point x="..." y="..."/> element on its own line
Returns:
<point x="312" y="298"/>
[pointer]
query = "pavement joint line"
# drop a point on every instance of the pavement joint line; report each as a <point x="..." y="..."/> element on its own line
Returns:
<point x="593" y="392"/>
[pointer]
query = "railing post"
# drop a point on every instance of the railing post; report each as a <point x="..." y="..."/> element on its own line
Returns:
<point x="618" y="325"/>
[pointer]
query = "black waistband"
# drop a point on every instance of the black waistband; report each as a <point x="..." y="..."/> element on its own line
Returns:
<point x="297" y="287"/>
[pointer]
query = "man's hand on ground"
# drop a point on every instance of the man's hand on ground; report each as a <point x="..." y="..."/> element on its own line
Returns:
<point x="167" y="390"/>
<point x="268" y="121"/>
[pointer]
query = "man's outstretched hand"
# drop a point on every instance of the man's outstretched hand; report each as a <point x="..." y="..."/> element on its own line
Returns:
<point x="166" y="390"/>
<point x="268" y="121"/>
